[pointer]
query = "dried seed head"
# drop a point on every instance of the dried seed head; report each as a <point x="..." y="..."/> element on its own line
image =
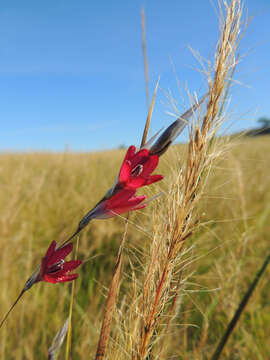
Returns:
<point x="58" y="341"/>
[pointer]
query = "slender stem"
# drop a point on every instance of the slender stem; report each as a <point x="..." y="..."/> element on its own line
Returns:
<point x="111" y="302"/>
<point x="146" y="69"/>
<point x="114" y="286"/>
<point x="68" y="345"/>
<point x="239" y="311"/>
<point x="71" y="237"/>
<point x="149" y="116"/>
<point x="146" y="76"/>
<point x="12" y="307"/>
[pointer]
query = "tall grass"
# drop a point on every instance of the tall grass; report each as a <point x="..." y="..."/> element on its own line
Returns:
<point x="147" y="319"/>
<point x="188" y="257"/>
<point x="227" y="250"/>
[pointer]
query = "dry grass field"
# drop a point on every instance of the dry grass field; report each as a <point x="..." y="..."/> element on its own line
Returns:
<point x="44" y="195"/>
<point x="164" y="281"/>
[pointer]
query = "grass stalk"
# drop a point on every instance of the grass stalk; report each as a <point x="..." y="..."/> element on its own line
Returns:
<point x="145" y="61"/>
<point x="69" y="331"/>
<point x="149" y="117"/>
<point x="115" y="282"/>
<point x="111" y="301"/>
<point x="180" y="220"/>
<point x="239" y="311"/>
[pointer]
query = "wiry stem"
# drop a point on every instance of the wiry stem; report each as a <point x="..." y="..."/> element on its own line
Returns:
<point x="239" y="310"/>
<point x="70" y="238"/>
<point x="12" y="307"/>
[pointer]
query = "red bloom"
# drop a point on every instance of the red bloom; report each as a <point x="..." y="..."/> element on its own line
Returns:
<point x="119" y="203"/>
<point x="53" y="267"/>
<point x="137" y="168"/>
<point x="135" y="172"/>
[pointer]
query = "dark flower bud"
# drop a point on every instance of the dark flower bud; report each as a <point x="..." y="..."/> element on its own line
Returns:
<point x="174" y="130"/>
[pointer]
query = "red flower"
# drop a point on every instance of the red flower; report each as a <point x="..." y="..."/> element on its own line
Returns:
<point x="119" y="203"/>
<point x="137" y="168"/>
<point x="53" y="267"/>
<point x="135" y="172"/>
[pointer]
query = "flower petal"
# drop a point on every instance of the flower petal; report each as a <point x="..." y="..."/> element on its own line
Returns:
<point x="71" y="265"/>
<point x="60" y="254"/>
<point x="125" y="208"/>
<point x="139" y="158"/>
<point x="69" y="277"/>
<point x="51" y="249"/>
<point x="136" y="200"/>
<point x="132" y="203"/>
<point x="43" y="267"/>
<point x="142" y="153"/>
<point x="141" y="206"/>
<point x="152" y="179"/>
<point x="121" y="197"/>
<point x="130" y="153"/>
<point x="150" y="165"/>
<point x="49" y="279"/>
<point x="125" y="171"/>
<point x="61" y="278"/>
<point x="136" y="182"/>
<point x="44" y="262"/>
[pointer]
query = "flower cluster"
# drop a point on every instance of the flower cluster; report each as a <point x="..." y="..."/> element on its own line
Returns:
<point x="135" y="172"/>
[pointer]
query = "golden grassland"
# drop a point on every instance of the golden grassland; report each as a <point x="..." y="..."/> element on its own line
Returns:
<point x="43" y="196"/>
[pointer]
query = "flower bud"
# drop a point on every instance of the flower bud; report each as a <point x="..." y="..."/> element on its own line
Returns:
<point x="171" y="133"/>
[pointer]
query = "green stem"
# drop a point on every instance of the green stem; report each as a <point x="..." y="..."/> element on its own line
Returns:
<point x="239" y="311"/>
<point x="12" y="307"/>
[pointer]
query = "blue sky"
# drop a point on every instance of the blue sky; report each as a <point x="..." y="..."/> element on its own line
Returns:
<point x="71" y="71"/>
